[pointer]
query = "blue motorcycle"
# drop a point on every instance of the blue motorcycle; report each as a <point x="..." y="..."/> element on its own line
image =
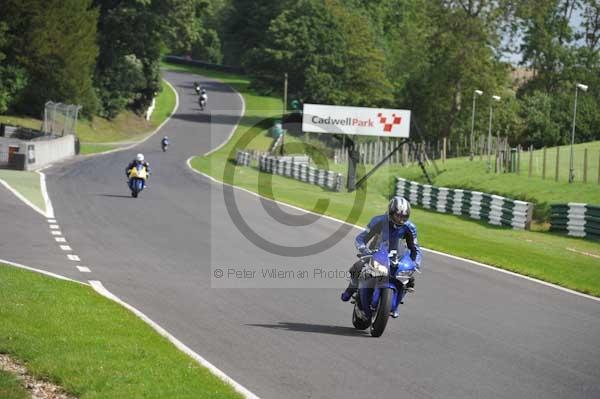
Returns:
<point x="381" y="288"/>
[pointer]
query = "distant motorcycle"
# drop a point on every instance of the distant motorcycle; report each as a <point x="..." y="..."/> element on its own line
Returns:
<point x="202" y="103"/>
<point x="137" y="179"/>
<point x="381" y="287"/>
<point x="197" y="88"/>
<point x="164" y="144"/>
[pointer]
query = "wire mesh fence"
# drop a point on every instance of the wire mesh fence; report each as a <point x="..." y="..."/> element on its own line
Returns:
<point x="60" y="119"/>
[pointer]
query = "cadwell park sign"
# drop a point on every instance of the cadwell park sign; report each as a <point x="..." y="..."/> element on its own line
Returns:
<point x="317" y="118"/>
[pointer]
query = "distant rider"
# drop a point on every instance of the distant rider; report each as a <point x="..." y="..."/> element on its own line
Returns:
<point x="139" y="159"/>
<point x="392" y="226"/>
<point x="203" y="98"/>
<point x="164" y="142"/>
<point x="197" y="87"/>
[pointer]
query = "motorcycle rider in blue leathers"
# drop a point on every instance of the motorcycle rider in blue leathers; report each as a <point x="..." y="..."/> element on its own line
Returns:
<point x="392" y="227"/>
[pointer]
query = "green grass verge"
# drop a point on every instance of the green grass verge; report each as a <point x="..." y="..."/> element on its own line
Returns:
<point x="27" y="183"/>
<point x="11" y="388"/>
<point x="95" y="148"/>
<point x="127" y="126"/>
<point x="472" y="175"/>
<point x="462" y="173"/>
<point x="91" y="346"/>
<point x="561" y="260"/>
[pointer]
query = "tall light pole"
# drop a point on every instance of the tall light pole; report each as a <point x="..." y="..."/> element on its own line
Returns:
<point x="285" y="90"/>
<point x="489" y="143"/>
<point x="475" y="94"/>
<point x="571" y="169"/>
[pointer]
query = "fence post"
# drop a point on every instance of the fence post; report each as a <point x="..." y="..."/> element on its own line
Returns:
<point x="506" y="167"/>
<point x="557" y="163"/>
<point x="585" y="165"/>
<point x="519" y="159"/>
<point x="444" y="150"/>
<point x="481" y="147"/>
<point x="544" y="164"/>
<point x="598" y="167"/>
<point x="530" y="161"/>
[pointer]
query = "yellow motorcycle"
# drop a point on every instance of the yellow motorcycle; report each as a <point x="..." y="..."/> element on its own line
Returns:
<point x="137" y="179"/>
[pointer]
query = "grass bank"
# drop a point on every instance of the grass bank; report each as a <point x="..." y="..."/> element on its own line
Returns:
<point x="565" y="261"/>
<point x="127" y="127"/>
<point x="10" y="387"/>
<point x="462" y="173"/>
<point x="27" y="183"/>
<point x="91" y="346"/>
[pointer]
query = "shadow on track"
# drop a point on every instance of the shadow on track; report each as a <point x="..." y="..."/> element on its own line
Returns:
<point x="314" y="328"/>
<point x="115" y="195"/>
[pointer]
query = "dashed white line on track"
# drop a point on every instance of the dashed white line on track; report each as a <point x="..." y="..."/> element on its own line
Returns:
<point x="56" y="233"/>
<point x="83" y="269"/>
<point x="60" y="239"/>
<point x="65" y="248"/>
<point x="73" y="257"/>
<point x="54" y="226"/>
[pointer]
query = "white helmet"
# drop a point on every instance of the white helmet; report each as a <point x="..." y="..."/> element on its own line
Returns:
<point x="139" y="157"/>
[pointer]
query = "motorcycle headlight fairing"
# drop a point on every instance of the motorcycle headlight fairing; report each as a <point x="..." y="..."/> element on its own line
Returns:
<point x="380" y="270"/>
<point x="404" y="276"/>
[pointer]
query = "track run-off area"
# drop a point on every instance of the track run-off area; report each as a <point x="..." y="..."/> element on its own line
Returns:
<point x="468" y="331"/>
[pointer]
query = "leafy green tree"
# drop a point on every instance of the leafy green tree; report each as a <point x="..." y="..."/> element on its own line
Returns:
<point x="449" y="52"/>
<point x="548" y="39"/>
<point x="55" y="42"/>
<point x="245" y="26"/>
<point x="12" y="78"/>
<point x="328" y="52"/>
<point x="207" y="46"/>
<point x="132" y="36"/>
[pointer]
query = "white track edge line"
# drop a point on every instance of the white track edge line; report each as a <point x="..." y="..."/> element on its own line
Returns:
<point x="44" y="189"/>
<point x="235" y="126"/>
<point x="98" y="287"/>
<point x="473" y="262"/>
<point x="50" y="274"/>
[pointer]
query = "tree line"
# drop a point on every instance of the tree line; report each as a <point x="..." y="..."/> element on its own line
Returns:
<point x="430" y="56"/>
<point x="425" y="55"/>
<point x="101" y="54"/>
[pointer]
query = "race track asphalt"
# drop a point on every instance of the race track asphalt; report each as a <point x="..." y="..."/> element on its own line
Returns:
<point x="468" y="332"/>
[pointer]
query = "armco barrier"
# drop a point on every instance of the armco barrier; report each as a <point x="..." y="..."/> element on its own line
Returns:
<point x="302" y="172"/>
<point x="578" y="220"/>
<point x="242" y="158"/>
<point x="494" y="209"/>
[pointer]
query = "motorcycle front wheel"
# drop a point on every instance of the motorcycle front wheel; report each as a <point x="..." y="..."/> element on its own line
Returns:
<point x="383" y="312"/>
<point x="358" y="322"/>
